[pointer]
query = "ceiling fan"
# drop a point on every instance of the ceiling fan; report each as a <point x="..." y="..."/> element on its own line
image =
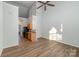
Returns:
<point x="45" y="4"/>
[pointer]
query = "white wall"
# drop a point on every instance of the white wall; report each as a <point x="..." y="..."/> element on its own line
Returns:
<point x="34" y="22"/>
<point x="38" y="26"/>
<point x="32" y="11"/>
<point x="39" y="20"/>
<point x="23" y="12"/>
<point x="1" y="28"/>
<point x="66" y="13"/>
<point x="10" y="19"/>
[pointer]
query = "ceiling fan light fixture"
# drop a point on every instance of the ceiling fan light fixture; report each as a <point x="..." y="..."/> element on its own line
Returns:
<point x="44" y="4"/>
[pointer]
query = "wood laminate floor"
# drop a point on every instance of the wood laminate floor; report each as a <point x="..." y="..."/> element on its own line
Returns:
<point x="41" y="48"/>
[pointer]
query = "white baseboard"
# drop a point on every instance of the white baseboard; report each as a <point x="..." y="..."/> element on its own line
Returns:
<point x="11" y="45"/>
<point x="68" y="43"/>
<point x="64" y="42"/>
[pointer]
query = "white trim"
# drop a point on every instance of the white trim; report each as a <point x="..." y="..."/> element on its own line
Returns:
<point x="11" y="45"/>
<point x="63" y="42"/>
<point x="67" y="43"/>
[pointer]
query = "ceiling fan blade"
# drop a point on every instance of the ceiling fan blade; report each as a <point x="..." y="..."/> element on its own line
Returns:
<point x="41" y="2"/>
<point x="45" y="8"/>
<point x="47" y="2"/>
<point x="51" y="5"/>
<point x="39" y="6"/>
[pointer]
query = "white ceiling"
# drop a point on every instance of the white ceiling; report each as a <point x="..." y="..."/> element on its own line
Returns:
<point x="27" y="4"/>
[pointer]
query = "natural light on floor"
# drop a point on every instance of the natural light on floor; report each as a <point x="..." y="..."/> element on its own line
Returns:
<point x="54" y="34"/>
